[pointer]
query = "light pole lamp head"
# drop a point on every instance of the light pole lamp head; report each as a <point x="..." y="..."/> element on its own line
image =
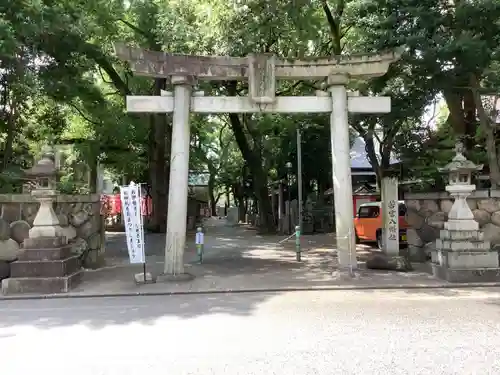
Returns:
<point x="460" y="169"/>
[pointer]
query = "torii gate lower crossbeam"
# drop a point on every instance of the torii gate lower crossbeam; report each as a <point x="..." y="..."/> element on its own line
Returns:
<point x="181" y="102"/>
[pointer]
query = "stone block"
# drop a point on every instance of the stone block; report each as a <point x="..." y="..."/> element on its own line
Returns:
<point x="44" y="242"/>
<point x="381" y="261"/>
<point x="139" y="278"/>
<point x="417" y="254"/>
<point x="4" y="270"/>
<point x="436" y="220"/>
<point x="489" y="205"/>
<point x="481" y="216"/>
<point x="53" y="254"/>
<point x="4" y="230"/>
<point x="79" y="218"/>
<point x="461" y="225"/>
<point x="11" y="212"/>
<point x="44" y="268"/>
<point x="414" y="220"/>
<point x="37" y="285"/>
<point x="429" y="206"/>
<point x="474" y="235"/>
<point x="492" y="233"/>
<point x="465" y="275"/>
<point x="9" y="250"/>
<point x="79" y="246"/>
<point x="434" y="256"/>
<point x="19" y="230"/>
<point x="69" y="232"/>
<point x="462" y="245"/>
<point x="445" y="205"/>
<point x="467" y="260"/>
<point x="428" y="233"/>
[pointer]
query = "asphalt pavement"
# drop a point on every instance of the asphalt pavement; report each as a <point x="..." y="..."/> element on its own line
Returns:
<point x="439" y="331"/>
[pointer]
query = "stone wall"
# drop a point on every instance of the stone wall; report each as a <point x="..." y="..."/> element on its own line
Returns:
<point x="427" y="213"/>
<point x="79" y="216"/>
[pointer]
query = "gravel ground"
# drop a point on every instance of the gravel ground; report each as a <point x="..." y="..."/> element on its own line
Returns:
<point x="365" y="332"/>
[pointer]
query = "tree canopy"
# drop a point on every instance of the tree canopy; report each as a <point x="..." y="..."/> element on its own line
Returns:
<point x="61" y="83"/>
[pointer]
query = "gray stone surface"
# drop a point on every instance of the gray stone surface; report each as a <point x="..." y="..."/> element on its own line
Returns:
<point x="78" y="216"/>
<point x="445" y="332"/>
<point x="4" y="230"/>
<point x="19" y="231"/>
<point x="427" y="213"/>
<point x="4" y="269"/>
<point x="140" y="279"/>
<point x="9" y="250"/>
<point x="390" y="263"/>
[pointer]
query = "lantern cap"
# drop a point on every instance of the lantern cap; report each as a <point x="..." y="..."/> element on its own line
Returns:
<point x="45" y="167"/>
<point x="460" y="163"/>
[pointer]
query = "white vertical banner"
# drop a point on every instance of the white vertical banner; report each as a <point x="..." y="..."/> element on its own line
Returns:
<point x="390" y="212"/>
<point x="131" y="213"/>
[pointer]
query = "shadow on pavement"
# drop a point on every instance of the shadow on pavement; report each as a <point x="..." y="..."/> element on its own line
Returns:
<point x="97" y="313"/>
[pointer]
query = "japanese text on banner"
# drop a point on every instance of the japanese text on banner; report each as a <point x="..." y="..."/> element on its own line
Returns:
<point x="133" y="228"/>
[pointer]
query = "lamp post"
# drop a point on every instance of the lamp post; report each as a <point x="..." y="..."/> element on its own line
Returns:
<point x="299" y="175"/>
<point x="289" y="184"/>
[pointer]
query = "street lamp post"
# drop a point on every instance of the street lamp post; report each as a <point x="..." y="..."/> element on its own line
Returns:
<point x="289" y="182"/>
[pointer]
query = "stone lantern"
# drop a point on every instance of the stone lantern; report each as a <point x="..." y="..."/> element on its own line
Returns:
<point x="462" y="254"/>
<point x="44" y="175"/>
<point x="460" y="187"/>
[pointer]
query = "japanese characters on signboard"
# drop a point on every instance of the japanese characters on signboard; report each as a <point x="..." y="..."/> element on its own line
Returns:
<point x="130" y="197"/>
<point x="393" y="220"/>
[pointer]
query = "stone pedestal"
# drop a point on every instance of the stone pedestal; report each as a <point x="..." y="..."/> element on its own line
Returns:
<point x="464" y="256"/>
<point x="46" y="266"/>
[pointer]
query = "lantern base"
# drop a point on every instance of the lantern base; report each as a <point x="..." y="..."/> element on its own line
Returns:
<point x="478" y="275"/>
<point x="45" y="266"/>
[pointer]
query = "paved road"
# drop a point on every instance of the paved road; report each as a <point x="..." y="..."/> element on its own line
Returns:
<point x="439" y="332"/>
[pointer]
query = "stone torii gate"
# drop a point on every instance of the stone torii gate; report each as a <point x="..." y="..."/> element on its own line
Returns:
<point x="262" y="72"/>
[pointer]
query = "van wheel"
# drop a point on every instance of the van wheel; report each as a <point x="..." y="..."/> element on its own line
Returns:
<point x="379" y="241"/>
<point x="356" y="237"/>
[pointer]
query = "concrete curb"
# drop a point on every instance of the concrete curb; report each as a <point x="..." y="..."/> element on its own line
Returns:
<point x="82" y="295"/>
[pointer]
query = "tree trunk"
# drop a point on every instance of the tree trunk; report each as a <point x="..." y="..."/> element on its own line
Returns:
<point x="241" y="209"/>
<point x="211" y="193"/>
<point x="259" y="176"/>
<point x="372" y="157"/>
<point x="488" y="125"/>
<point x="462" y="117"/>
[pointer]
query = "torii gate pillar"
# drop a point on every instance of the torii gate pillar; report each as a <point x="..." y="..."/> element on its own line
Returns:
<point x="341" y="173"/>
<point x="179" y="173"/>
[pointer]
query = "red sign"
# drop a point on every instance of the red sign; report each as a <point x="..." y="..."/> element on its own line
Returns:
<point x="111" y="205"/>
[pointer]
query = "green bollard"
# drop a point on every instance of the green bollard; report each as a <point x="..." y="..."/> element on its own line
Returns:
<point x="199" y="244"/>
<point x="297" y="243"/>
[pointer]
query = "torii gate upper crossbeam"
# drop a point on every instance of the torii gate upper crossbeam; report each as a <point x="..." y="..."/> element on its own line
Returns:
<point x="160" y="64"/>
